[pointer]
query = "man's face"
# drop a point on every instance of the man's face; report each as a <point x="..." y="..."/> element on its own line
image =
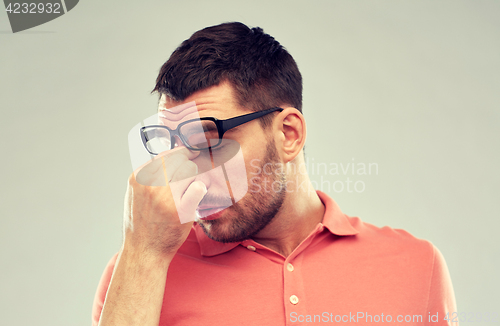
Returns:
<point x="257" y="208"/>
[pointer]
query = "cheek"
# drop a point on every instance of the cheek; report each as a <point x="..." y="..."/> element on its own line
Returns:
<point x="204" y="163"/>
<point x="236" y="176"/>
<point x="230" y="171"/>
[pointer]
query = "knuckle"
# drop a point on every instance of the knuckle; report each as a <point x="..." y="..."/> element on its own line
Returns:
<point x="191" y="166"/>
<point x="187" y="170"/>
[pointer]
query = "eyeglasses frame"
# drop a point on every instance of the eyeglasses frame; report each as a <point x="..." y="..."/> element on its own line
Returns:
<point x="222" y="127"/>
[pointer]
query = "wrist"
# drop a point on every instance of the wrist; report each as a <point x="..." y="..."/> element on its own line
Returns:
<point x="149" y="259"/>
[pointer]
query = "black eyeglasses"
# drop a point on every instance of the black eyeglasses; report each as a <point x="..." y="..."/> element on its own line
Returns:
<point x="196" y="134"/>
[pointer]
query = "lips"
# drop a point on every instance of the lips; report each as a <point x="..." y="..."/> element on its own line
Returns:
<point x="209" y="213"/>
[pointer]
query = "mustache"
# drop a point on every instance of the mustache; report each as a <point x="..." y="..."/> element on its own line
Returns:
<point x="216" y="201"/>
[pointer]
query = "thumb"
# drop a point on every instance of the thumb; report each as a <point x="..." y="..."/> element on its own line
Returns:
<point x="190" y="201"/>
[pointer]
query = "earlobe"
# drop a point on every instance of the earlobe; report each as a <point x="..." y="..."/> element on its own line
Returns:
<point x="292" y="133"/>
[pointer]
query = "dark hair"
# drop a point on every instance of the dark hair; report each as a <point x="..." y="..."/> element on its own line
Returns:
<point x="262" y="72"/>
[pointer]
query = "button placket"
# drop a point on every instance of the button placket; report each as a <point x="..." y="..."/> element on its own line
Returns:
<point x="294" y="295"/>
<point x="293" y="298"/>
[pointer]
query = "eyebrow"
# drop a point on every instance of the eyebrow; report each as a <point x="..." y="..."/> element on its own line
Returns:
<point x="196" y="127"/>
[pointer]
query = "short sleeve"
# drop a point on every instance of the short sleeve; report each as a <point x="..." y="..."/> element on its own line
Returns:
<point x="441" y="300"/>
<point x="102" y="289"/>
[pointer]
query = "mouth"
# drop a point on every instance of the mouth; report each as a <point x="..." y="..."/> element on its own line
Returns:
<point x="209" y="212"/>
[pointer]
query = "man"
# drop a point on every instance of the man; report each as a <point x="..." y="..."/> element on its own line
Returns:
<point x="283" y="254"/>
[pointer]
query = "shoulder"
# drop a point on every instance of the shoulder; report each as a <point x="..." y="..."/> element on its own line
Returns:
<point x="395" y="265"/>
<point x="396" y="252"/>
<point x="390" y="242"/>
<point x="388" y="235"/>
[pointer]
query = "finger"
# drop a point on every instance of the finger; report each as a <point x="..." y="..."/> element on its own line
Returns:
<point x="183" y="177"/>
<point x="153" y="174"/>
<point x="172" y="163"/>
<point x="145" y="174"/>
<point x="187" y="170"/>
<point x="160" y="170"/>
<point x="190" y="201"/>
<point x="189" y="153"/>
<point x="176" y="158"/>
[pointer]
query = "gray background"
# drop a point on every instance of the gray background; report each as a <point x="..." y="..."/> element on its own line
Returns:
<point x="410" y="85"/>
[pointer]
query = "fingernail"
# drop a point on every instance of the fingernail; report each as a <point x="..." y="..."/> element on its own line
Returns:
<point x="205" y="190"/>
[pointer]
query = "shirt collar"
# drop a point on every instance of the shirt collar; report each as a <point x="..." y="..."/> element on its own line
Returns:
<point x="209" y="247"/>
<point x="334" y="220"/>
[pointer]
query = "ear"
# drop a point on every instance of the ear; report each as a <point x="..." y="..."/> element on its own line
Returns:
<point x="291" y="133"/>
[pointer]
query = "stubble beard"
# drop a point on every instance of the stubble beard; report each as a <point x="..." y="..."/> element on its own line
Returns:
<point x="254" y="211"/>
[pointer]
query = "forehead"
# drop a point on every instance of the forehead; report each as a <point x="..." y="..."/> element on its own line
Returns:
<point x="217" y="101"/>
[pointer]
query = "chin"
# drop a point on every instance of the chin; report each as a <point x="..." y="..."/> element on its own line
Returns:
<point x="222" y="229"/>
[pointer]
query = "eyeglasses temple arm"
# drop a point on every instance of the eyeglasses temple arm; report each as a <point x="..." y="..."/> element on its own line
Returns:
<point x="236" y="121"/>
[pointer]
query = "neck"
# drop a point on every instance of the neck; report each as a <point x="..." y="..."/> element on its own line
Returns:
<point x="300" y="213"/>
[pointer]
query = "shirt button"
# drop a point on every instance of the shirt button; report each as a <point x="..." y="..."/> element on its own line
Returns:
<point x="289" y="267"/>
<point x="251" y="248"/>
<point x="294" y="299"/>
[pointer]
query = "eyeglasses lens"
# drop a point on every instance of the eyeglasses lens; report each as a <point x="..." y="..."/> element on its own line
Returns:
<point x="197" y="135"/>
<point x="157" y="139"/>
<point x="201" y="134"/>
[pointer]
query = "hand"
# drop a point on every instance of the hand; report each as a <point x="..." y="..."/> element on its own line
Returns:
<point x="152" y="209"/>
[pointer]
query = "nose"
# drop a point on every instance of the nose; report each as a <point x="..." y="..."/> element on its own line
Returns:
<point x="176" y="141"/>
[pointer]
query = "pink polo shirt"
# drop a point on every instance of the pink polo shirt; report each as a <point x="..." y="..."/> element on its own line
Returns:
<point x="346" y="271"/>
